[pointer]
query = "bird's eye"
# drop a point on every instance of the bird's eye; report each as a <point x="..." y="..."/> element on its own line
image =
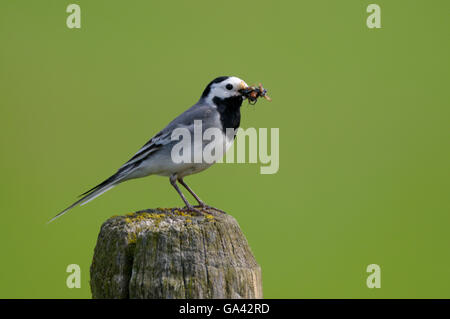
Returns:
<point x="229" y="87"/>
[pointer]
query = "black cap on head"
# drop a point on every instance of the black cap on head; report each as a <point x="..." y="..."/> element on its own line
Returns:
<point x="216" y="80"/>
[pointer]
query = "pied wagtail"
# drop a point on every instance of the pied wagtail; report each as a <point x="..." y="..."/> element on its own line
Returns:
<point x="218" y="107"/>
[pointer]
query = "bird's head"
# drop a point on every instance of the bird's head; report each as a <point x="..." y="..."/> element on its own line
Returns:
<point x="225" y="88"/>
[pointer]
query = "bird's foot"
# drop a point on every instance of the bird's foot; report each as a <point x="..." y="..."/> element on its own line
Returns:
<point x="194" y="210"/>
<point x="204" y="206"/>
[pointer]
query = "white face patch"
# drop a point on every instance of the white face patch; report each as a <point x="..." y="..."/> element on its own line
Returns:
<point x="225" y="89"/>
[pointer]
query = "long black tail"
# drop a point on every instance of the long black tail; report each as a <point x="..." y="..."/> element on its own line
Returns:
<point x="94" y="192"/>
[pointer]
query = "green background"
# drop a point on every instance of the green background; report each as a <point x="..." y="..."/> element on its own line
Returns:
<point x="363" y="117"/>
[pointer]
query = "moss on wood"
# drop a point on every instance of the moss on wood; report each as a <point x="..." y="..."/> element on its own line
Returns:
<point x="171" y="253"/>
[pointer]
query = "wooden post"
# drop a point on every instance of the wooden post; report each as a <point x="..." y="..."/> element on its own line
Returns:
<point x="168" y="253"/>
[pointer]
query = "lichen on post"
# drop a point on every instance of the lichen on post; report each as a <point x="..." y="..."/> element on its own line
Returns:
<point x="169" y="253"/>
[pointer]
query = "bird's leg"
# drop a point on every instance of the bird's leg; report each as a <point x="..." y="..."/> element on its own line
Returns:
<point x="200" y="202"/>
<point x="173" y="181"/>
<point x="181" y="181"/>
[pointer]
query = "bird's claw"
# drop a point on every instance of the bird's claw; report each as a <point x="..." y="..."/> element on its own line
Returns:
<point x="192" y="209"/>
<point x="204" y="206"/>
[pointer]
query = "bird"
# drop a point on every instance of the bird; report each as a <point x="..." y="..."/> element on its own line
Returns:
<point x="218" y="108"/>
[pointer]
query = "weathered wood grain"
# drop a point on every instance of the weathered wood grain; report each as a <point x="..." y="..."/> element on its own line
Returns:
<point x="168" y="253"/>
